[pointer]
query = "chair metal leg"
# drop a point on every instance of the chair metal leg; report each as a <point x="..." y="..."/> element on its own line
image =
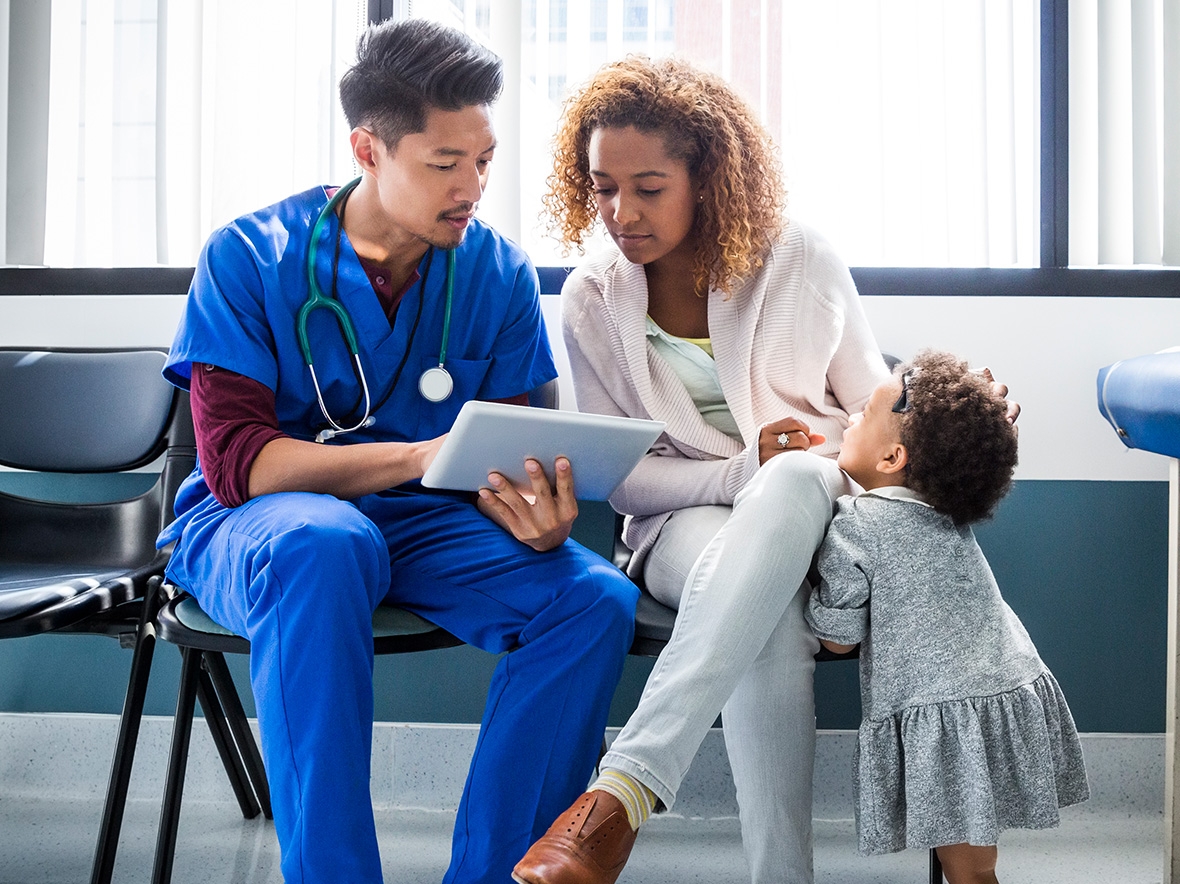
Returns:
<point x="935" y="867"/>
<point x="215" y="717"/>
<point x="129" y="722"/>
<point x="177" y="762"/>
<point x="116" y="800"/>
<point x="240" y="727"/>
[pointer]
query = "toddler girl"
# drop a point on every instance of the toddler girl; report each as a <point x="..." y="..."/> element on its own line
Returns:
<point x="965" y="731"/>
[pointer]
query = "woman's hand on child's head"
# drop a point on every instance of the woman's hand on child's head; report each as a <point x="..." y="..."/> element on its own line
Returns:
<point x="1001" y="390"/>
<point x="787" y="434"/>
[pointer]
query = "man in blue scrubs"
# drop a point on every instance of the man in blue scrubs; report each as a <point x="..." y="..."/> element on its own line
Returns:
<point x="293" y="542"/>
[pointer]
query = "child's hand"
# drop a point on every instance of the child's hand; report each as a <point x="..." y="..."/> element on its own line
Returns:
<point x="788" y="434"/>
<point x="836" y="648"/>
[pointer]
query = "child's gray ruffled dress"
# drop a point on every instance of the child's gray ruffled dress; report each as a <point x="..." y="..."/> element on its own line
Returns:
<point x="965" y="731"/>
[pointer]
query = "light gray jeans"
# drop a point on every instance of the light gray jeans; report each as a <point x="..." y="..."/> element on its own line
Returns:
<point x="741" y="647"/>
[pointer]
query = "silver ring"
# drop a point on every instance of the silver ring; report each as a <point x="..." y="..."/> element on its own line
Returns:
<point x="783" y="439"/>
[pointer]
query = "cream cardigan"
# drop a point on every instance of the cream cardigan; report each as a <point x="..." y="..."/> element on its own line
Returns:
<point x="791" y="341"/>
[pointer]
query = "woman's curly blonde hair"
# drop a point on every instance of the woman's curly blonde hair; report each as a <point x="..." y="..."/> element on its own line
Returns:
<point x="705" y="122"/>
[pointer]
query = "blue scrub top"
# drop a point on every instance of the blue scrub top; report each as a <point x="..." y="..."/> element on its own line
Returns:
<point x="251" y="281"/>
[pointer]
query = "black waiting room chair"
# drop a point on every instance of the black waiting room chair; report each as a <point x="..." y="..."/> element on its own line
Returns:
<point x="69" y="565"/>
<point x="67" y="417"/>
<point x="204" y="675"/>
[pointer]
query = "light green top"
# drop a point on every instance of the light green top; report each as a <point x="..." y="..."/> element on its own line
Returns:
<point x="692" y="361"/>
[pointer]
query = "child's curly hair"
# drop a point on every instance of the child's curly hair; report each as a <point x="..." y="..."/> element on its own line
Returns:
<point x="961" y="447"/>
<point x="705" y="123"/>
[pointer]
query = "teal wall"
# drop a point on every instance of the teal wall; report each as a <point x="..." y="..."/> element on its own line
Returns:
<point x="1083" y="563"/>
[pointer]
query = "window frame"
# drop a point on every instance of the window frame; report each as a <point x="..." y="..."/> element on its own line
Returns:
<point x="1053" y="278"/>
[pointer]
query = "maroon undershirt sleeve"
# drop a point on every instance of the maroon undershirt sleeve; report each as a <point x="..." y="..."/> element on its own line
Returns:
<point x="234" y="417"/>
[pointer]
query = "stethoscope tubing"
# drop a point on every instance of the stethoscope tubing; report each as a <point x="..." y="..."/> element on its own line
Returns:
<point x="435" y="384"/>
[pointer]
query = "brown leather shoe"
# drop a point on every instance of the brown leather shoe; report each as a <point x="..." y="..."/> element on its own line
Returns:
<point x="588" y="844"/>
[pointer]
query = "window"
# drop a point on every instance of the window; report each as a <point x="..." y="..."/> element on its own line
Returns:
<point x="1121" y="154"/>
<point x="169" y="119"/>
<point x="962" y="140"/>
<point x="911" y="130"/>
<point x="903" y="135"/>
<point x="905" y="138"/>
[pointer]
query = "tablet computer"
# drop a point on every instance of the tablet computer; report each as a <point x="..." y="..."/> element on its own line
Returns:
<point x="493" y="436"/>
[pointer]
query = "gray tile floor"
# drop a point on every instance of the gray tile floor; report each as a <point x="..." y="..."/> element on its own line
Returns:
<point x="47" y="830"/>
<point x="49" y="841"/>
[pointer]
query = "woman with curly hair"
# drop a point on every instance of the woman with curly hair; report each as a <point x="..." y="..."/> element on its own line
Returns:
<point x="744" y="333"/>
<point x="965" y="731"/>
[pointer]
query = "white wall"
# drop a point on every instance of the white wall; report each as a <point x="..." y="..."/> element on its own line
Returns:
<point x="1048" y="351"/>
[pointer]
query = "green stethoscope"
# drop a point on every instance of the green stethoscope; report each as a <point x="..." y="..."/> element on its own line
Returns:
<point x="435" y="384"/>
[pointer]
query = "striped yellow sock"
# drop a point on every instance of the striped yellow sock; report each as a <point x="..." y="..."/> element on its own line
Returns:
<point x="638" y="800"/>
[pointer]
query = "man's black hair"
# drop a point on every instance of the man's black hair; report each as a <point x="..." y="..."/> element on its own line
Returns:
<point x="405" y="69"/>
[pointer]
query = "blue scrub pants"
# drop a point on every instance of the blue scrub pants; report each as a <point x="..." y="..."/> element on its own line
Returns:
<point x="300" y="575"/>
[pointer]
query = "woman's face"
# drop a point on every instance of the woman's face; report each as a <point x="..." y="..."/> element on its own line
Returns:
<point x="646" y="199"/>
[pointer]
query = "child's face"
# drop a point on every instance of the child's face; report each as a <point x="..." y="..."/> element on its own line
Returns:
<point x="872" y="437"/>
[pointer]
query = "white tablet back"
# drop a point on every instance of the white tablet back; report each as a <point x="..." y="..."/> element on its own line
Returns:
<point x="489" y="436"/>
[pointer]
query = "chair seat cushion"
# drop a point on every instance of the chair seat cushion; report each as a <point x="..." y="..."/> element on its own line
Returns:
<point x="26" y="589"/>
<point x="387" y="621"/>
<point x="653" y="620"/>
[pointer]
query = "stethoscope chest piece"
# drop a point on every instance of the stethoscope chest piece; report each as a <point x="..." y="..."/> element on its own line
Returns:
<point x="435" y="384"/>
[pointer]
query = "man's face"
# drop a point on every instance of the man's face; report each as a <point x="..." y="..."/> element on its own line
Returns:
<point x="431" y="182"/>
